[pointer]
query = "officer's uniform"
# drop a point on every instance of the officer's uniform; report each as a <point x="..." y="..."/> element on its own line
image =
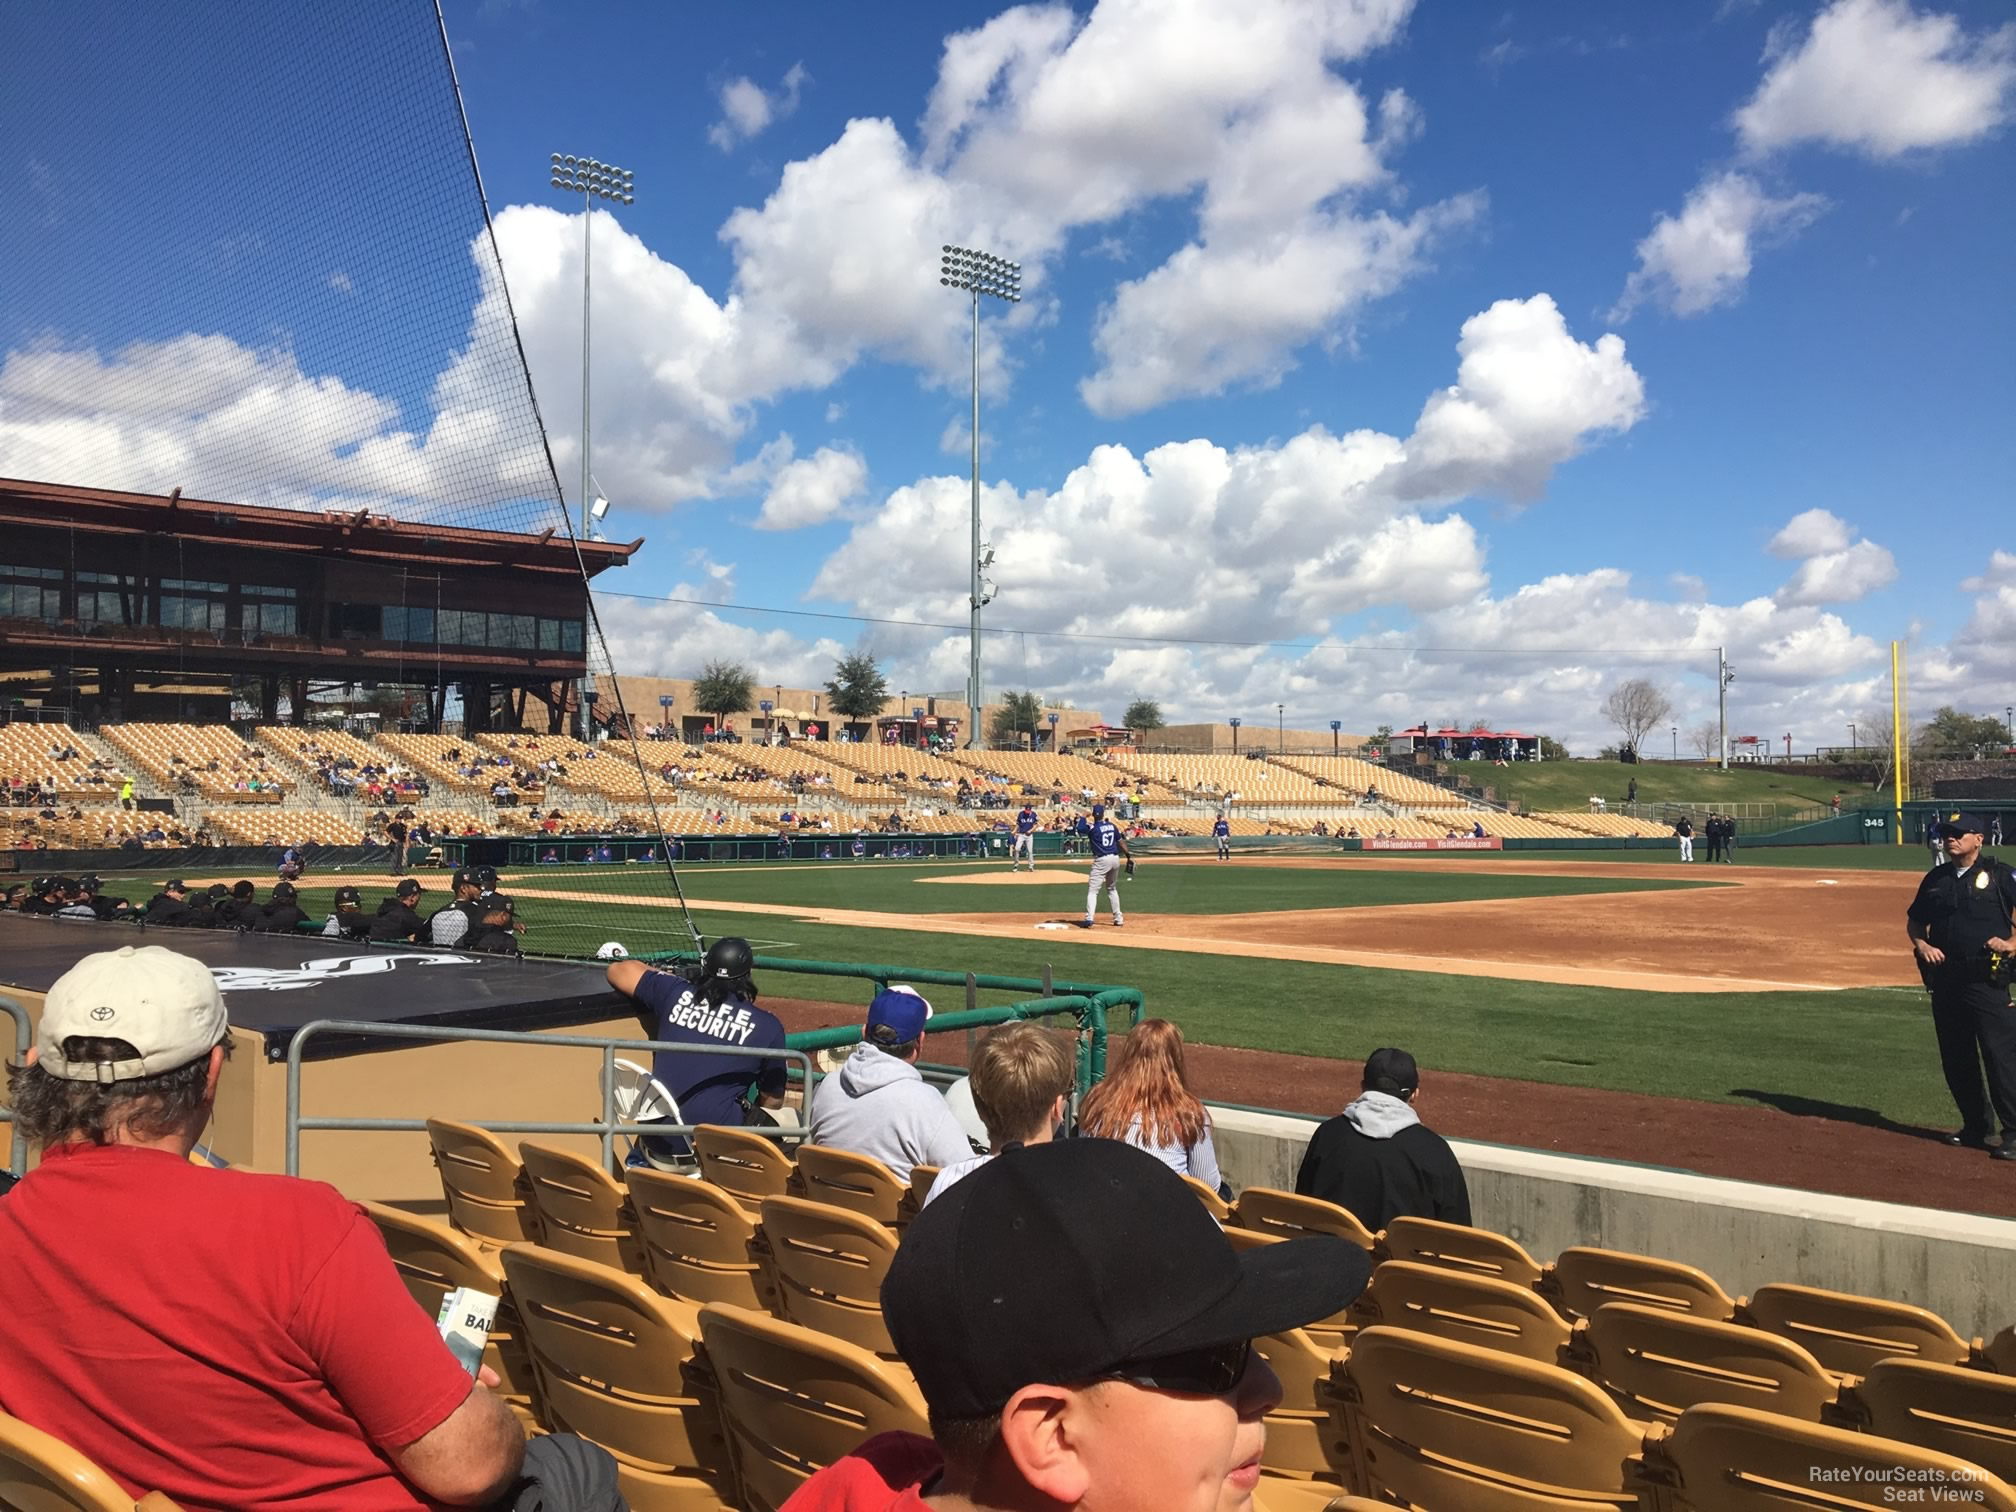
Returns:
<point x="1959" y="912"/>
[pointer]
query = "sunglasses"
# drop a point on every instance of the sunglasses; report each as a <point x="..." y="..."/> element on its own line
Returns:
<point x="1214" y="1371"/>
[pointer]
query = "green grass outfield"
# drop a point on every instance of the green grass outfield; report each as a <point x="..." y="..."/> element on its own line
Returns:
<point x="1560" y="785"/>
<point x="1870" y="1048"/>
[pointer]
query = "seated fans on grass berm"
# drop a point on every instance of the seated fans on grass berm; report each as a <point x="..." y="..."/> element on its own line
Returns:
<point x="268" y="1352"/>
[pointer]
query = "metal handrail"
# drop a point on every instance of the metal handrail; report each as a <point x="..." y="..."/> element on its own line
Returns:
<point x="607" y="1126"/>
<point x="17" y="1161"/>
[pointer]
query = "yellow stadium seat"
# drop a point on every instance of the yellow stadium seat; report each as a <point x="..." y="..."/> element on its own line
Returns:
<point x="488" y="1196"/>
<point x="1583" y="1278"/>
<point x="1451" y="1304"/>
<point x="1474" y="1251"/>
<point x="583" y="1210"/>
<point x="41" y="1473"/>
<point x="1848" y="1334"/>
<point x="1661" y="1362"/>
<point x="1969" y="1414"/>
<point x="699" y="1243"/>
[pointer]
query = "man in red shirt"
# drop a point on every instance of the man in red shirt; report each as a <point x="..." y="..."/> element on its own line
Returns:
<point x="231" y="1339"/>
<point x="1082" y="1330"/>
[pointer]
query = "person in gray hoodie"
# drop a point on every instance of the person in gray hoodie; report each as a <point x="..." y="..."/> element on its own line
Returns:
<point x="1379" y="1160"/>
<point x="878" y="1104"/>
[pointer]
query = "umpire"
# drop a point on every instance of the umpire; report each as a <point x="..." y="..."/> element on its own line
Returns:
<point x="1960" y="926"/>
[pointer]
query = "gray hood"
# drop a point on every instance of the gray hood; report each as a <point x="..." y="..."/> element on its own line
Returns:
<point x="870" y="1070"/>
<point x="1380" y="1115"/>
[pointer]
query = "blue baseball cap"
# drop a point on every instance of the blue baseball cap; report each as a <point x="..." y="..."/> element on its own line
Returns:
<point x="896" y="1017"/>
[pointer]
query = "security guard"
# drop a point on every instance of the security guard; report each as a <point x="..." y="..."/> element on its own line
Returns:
<point x="1961" y="926"/>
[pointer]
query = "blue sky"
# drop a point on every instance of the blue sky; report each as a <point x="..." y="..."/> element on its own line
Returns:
<point x="1715" y="299"/>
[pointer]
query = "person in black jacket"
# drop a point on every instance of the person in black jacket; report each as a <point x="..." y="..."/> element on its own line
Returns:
<point x="398" y="918"/>
<point x="1379" y="1160"/>
<point x="496" y="931"/>
<point x="458" y="917"/>
<point x="281" y="915"/>
<point x="346" y="916"/>
<point x="169" y="908"/>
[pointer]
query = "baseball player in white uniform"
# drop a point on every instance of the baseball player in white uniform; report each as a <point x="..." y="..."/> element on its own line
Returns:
<point x="1024" y="847"/>
<point x="1109" y="849"/>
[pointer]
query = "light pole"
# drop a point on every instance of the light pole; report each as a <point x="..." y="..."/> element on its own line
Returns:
<point x="1676" y="742"/>
<point x="1053" y="734"/>
<point x="917" y="714"/>
<point x="1235" y="735"/>
<point x="978" y="273"/>
<point x="591" y="180"/>
<point x="2009" y="722"/>
<point x="1335" y="726"/>
<point x="769" y="728"/>
<point x="1854" y="737"/>
<point x="1280" y="715"/>
<point x="665" y="712"/>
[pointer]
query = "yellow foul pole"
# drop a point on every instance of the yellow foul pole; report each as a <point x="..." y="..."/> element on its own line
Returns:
<point x="1897" y="738"/>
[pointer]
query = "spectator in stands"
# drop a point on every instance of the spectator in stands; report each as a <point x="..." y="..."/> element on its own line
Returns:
<point x="1021" y="1081"/>
<point x="496" y="931"/>
<point x="879" y="1104"/>
<point x="396" y="918"/>
<point x="1379" y="1160"/>
<point x="346" y="918"/>
<point x="300" y="1373"/>
<point x="1125" y="1381"/>
<point x="282" y="911"/>
<point x="1146" y="1100"/>
<point x="714" y="1007"/>
<point x="454" y="919"/>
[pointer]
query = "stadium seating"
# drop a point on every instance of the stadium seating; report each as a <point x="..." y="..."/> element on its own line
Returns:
<point x="747" y="1166"/>
<point x="795" y="1400"/>
<point x="24" y="753"/>
<point x="208" y="760"/>
<point x="1478" y="1310"/>
<point x="432" y="755"/>
<point x="1583" y="1278"/>
<point x="1659" y="1363"/>
<point x="1736" y="1459"/>
<point x="489" y="1197"/>
<point x="884" y="761"/>
<point x="1474" y="1251"/>
<point x="1848" y="1334"/>
<point x="859" y="1183"/>
<point x="1300" y="1441"/>
<point x="830" y="1263"/>
<point x="615" y="1364"/>
<point x="282" y="826"/>
<point x="1607" y="824"/>
<point x="1285" y="1215"/>
<point x="1967" y="1413"/>
<point x="1256" y="783"/>
<point x="699" y="1243"/>
<point x="1359" y="777"/>
<point x="583" y="1211"/>
<point x="1045" y="772"/>
<point x="41" y="1473"/>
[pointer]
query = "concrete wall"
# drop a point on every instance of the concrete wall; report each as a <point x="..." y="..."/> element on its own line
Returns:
<point x="1743" y="1234"/>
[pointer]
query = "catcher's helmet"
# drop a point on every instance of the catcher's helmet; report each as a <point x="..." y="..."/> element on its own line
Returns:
<point x="730" y="957"/>
<point x="612" y="951"/>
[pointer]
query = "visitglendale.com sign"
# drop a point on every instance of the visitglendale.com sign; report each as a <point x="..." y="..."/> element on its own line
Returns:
<point x="1465" y="842"/>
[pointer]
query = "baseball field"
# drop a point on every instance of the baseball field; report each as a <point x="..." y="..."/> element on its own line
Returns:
<point x="1759" y="1020"/>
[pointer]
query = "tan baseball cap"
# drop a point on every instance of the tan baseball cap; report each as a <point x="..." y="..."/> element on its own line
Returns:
<point x="165" y="1005"/>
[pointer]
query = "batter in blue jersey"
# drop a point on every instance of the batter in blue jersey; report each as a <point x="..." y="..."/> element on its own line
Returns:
<point x="1109" y="848"/>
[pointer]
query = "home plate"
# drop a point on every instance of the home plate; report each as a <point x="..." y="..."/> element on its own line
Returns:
<point x="1828" y="882"/>
<point x="1053" y="924"/>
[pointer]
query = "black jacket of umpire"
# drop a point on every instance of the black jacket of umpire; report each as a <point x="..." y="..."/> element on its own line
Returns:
<point x="1402" y="1167"/>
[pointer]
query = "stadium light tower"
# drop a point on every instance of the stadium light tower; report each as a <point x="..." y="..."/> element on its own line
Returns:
<point x="591" y="180"/>
<point x="978" y="273"/>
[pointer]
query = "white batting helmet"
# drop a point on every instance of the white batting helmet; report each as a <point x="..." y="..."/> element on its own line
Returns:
<point x="612" y="951"/>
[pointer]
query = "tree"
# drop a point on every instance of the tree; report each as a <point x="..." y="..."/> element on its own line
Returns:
<point x="857" y="689"/>
<point x="1635" y="707"/>
<point x="1552" y="749"/>
<point x="1953" y="734"/>
<point x="1143" y="714"/>
<point x="723" y="688"/>
<point x="1706" y="739"/>
<point x="1015" y="717"/>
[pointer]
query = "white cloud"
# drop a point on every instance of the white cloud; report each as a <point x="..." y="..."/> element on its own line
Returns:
<point x="1841" y="577"/>
<point x="835" y="412"/>
<point x="812" y="490"/>
<point x="2001" y="573"/>
<point x="341" y="282"/>
<point x="1834" y="568"/>
<point x="1526" y="399"/>
<point x="747" y="109"/>
<point x="1881" y="78"/>
<point x="1694" y="261"/>
<point x="1809" y="534"/>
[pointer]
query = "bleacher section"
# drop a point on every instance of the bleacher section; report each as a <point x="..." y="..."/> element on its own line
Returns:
<point x="447" y="761"/>
<point x="1360" y="777"/>
<point x="1256" y="783"/>
<point x="208" y="760"/>
<point x="1046" y="773"/>
<point x="1608" y="824"/>
<point x="25" y="755"/>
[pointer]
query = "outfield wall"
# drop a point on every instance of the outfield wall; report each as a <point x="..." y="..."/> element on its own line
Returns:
<point x="1741" y="1233"/>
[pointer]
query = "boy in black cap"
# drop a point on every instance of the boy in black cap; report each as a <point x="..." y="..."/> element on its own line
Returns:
<point x="456" y="918"/>
<point x="346" y="918"/>
<point x="1081" y="1331"/>
<point x="1379" y="1160"/>
<point x="397" y="919"/>
<point x="1962" y="928"/>
<point x="496" y="931"/>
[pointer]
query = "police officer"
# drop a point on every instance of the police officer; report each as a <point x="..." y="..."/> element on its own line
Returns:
<point x="458" y="916"/>
<point x="1961" y="926"/>
<point x="397" y="916"/>
<point x="713" y="1005"/>
<point x="346" y="918"/>
<point x="496" y="931"/>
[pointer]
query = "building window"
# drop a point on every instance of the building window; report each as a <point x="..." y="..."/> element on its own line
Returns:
<point x="462" y="627"/>
<point x="266" y="610"/>
<point x="31" y="593"/>
<point x="512" y="631"/>
<point x="106" y="598"/>
<point x="410" y="624"/>
<point x="190" y="603"/>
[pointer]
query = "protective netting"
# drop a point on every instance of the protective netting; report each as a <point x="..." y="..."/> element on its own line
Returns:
<point x="249" y="259"/>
